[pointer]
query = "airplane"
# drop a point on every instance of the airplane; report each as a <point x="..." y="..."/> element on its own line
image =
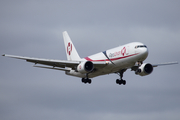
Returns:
<point x="116" y="60"/>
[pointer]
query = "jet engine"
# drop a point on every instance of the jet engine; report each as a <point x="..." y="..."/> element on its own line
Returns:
<point x="144" y="69"/>
<point x="85" y="67"/>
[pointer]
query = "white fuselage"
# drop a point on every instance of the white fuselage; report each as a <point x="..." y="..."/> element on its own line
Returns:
<point x="122" y="57"/>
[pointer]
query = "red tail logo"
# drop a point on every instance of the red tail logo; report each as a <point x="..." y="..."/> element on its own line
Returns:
<point x="123" y="51"/>
<point x="69" y="48"/>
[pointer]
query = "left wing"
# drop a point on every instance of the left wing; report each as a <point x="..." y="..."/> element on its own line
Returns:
<point x="135" y="67"/>
<point x="50" y="62"/>
<point x="161" y="64"/>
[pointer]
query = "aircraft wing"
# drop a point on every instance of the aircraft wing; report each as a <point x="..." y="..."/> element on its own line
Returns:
<point x="135" y="67"/>
<point x="161" y="64"/>
<point x="50" y="62"/>
<point x="63" y="65"/>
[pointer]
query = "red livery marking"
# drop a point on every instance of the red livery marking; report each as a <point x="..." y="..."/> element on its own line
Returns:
<point x="89" y="59"/>
<point x="69" y="48"/>
<point x="123" y="51"/>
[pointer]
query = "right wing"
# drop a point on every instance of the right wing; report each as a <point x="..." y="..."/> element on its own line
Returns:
<point x="64" y="65"/>
<point x="61" y="64"/>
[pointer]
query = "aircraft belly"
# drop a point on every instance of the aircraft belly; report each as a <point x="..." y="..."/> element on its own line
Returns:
<point x="74" y="73"/>
<point x="112" y="68"/>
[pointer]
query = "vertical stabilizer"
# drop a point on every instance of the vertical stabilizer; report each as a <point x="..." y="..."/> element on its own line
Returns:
<point x="69" y="48"/>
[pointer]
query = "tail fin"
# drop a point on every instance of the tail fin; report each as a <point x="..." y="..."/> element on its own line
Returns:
<point x="69" y="48"/>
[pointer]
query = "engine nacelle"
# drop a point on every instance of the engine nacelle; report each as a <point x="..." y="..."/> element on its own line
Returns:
<point x="144" y="69"/>
<point x="85" y="67"/>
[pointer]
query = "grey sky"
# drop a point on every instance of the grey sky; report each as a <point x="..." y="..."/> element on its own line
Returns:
<point x="34" y="29"/>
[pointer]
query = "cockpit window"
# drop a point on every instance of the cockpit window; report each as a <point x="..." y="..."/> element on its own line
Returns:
<point x="140" y="46"/>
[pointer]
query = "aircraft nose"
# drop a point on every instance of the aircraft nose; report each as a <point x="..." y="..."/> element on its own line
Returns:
<point x="144" y="52"/>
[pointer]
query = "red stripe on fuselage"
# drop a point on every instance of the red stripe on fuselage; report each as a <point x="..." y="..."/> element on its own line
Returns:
<point x="113" y="59"/>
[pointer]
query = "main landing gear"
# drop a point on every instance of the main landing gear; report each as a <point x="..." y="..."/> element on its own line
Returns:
<point x="86" y="80"/>
<point x="121" y="81"/>
<point x="118" y="81"/>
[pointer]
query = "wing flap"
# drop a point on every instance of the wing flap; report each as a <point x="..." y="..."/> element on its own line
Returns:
<point x="54" y="68"/>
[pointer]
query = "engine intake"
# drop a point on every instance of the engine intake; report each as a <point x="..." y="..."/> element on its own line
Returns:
<point x="85" y="67"/>
<point x="144" y="69"/>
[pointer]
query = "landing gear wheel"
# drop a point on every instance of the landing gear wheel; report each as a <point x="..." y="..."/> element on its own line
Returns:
<point x="89" y="81"/>
<point x="83" y="80"/>
<point x="121" y="82"/>
<point x="117" y="81"/>
<point x="86" y="80"/>
<point x="124" y="82"/>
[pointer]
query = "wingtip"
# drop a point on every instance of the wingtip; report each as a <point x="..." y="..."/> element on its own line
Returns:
<point x="176" y="62"/>
<point x="64" y="31"/>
